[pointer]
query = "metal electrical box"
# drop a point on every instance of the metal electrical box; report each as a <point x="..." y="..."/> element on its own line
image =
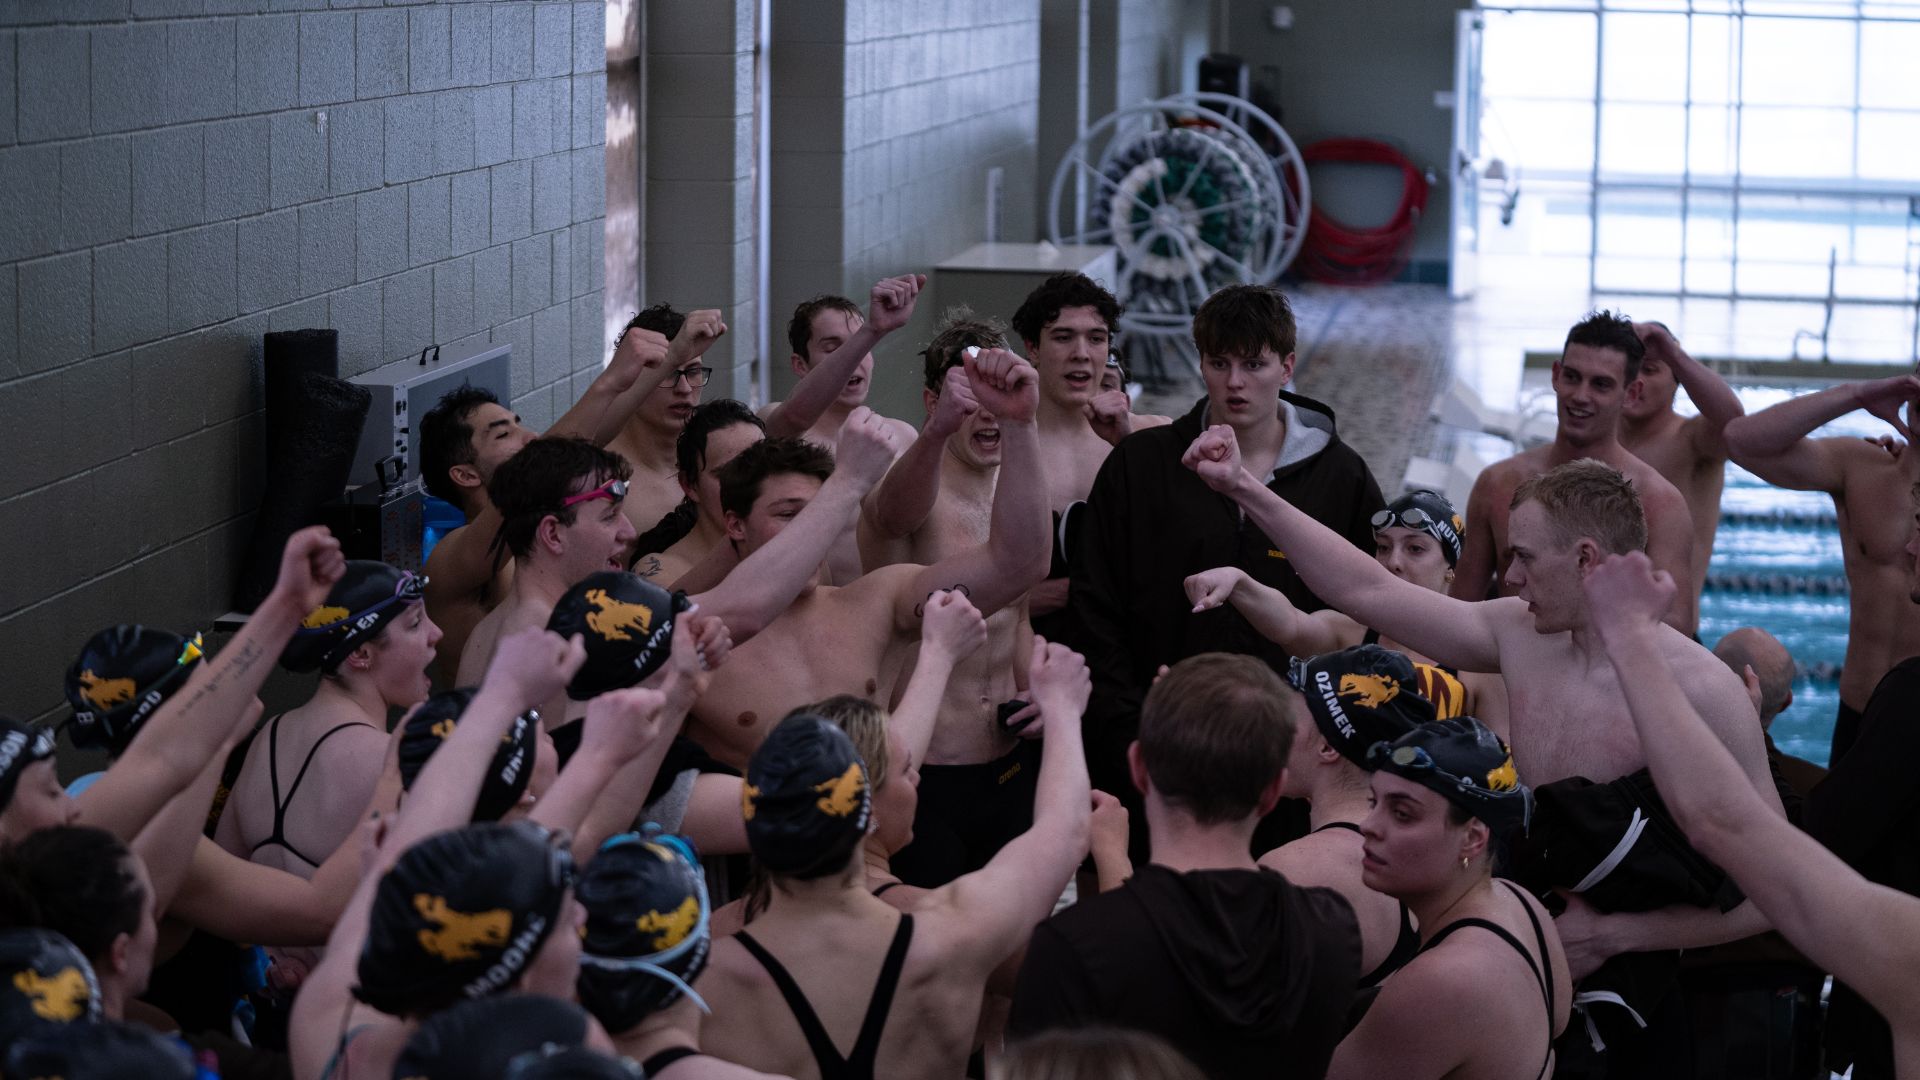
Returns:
<point x="389" y="452"/>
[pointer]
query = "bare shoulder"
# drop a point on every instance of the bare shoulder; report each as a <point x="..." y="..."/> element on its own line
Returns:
<point x="766" y="411"/>
<point x="1314" y="859"/>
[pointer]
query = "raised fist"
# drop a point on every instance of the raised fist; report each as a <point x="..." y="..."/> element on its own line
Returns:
<point x="952" y="624"/>
<point x="865" y="449"/>
<point x="1110" y="414"/>
<point x="640" y="355"/>
<point x="1215" y="456"/>
<point x="1211" y="588"/>
<point x="955" y="405"/>
<point x="696" y="336"/>
<point x="1003" y="383"/>
<point x="1059" y="682"/>
<point x="534" y="665"/>
<point x="310" y="565"/>
<point x="890" y="304"/>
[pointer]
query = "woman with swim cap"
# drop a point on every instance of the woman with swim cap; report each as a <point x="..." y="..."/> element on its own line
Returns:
<point x="1489" y="990"/>
<point x="309" y="774"/>
<point x="1418" y="538"/>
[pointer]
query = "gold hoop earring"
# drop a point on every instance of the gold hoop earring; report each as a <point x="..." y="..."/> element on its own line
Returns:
<point x="1464" y="863"/>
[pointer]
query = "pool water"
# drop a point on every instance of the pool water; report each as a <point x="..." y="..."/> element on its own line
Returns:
<point x="1777" y="565"/>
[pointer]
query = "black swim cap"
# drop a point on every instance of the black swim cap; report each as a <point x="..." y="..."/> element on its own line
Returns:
<point x="627" y="624"/>
<point x="461" y="915"/>
<point x="574" y="1063"/>
<point x="1467" y="764"/>
<point x="1360" y="696"/>
<point x="20" y="746"/>
<point x="647" y="935"/>
<point x="482" y="1040"/>
<point x="108" y="1050"/>
<point x="1431" y="513"/>
<point x="368" y="596"/>
<point x="806" y="799"/>
<point x="44" y="983"/>
<point x="122" y="675"/>
<point x="512" y="768"/>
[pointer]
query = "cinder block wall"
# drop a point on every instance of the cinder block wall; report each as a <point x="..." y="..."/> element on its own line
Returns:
<point x="886" y="119"/>
<point x="178" y="177"/>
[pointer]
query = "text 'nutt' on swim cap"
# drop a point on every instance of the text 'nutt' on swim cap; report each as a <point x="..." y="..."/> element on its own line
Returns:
<point x="511" y="769"/>
<point x="1430" y="513"/>
<point x="1467" y="764"/>
<point x="806" y="799"/>
<point x="626" y="622"/>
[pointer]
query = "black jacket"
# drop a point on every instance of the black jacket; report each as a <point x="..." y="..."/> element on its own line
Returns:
<point x="1243" y="972"/>
<point x="1150" y="523"/>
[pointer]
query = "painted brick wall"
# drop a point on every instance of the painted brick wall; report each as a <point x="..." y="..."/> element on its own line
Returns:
<point x="178" y="177"/>
<point x="887" y="117"/>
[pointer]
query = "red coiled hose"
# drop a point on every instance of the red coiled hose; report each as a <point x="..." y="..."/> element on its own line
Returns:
<point x="1348" y="255"/>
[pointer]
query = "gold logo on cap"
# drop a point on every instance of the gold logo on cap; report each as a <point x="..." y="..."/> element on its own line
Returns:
<point x="324" y="616"/>
<point x="611" y="618"/>
<point x="748" y="793"/>
<point x="1504" y="778"/>
<point x="460" y="935"/>
<point x="670" y="928"/>
<point x="840" y="796"/>
<point x="105" y="693"/>
<point x="441" y="729"/>
<point x="1373" y="691"/>
<point x="61" y="996"/>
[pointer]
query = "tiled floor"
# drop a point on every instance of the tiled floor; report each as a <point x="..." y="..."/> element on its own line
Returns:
<point x="1379" y="357"/>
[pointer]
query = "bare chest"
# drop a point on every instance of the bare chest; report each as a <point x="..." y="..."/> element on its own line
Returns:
<point x="803" y="657"/>
<point x="1069" y="462"/>
<point x="1566" y="721"/>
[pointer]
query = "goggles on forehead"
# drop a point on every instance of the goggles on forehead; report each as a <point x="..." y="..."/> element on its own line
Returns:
<point x="1412" y="517"/>
<point x="613" y="491"/>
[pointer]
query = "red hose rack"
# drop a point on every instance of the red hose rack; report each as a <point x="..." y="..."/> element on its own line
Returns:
<point x="1350" y="255"/>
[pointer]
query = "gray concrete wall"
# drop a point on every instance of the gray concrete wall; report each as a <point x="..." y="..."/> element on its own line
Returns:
<point x="887" y="117"/>
<point x="178" y="177"/>
<point x="1364" y="68"/>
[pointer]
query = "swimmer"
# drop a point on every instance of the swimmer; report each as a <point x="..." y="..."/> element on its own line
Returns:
<point x="716" y="432"/>
<point x="1342" y="704"/>
<point x="1691" y="451"/>
<point x="85" y="885"/>
<point x="1488" y="991"/>
<point x="1067" y="326"/>
<point x="1596" y="377"/>
<point x="655" y="409"/>
<point x="812" y="956"/>
<point x="1867" y="935"/>
<point x="372" y="644"/>
<point x="645" y="943"/>
<point x="1869" y="491"/>
<point x="1567" y="711"/>
<point x="497" y="1037"/>
<point x="1416" y="538"/>
<point x="839" y="640"/>
<point x="1111" y="410"/>
<point x="468" y="434"/>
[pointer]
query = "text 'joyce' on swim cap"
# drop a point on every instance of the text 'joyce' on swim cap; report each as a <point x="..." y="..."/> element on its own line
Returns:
<point x="461" y="915"/>
<point x="806" y="799"/>
<point x="21" y="745"/>
<point x="1430" y="513"/>
<point x="626" y="622"/>
<point x="44" y="982"/>
<point x="1467" y="764"/>
<point x="121" y="677"/>
<point x="512" y="766"/>
<point x="478" y="1039"/>
<point x="1360" y="696"/>
<point x="368" y="596"/>
<point x="647" y="935"/>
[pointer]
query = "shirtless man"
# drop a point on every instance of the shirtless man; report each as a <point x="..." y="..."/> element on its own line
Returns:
<point x="1597" y="375"/>
<point x="976" y="783"/>
<point x="1869" y="492"/>
<point x="838" y="640"/>
<point x="1865" y="934"/>
<point x="466" y="436"/>
<point x="833" y="355"/>
<point x="830" y="935"/>
<point x="652" y="416"/>
<point x="1691" y="452"/>
<point x="717" y="431"/>
<point x="1067" y="325"/>
<point x="1565" y="704"/>
<point x="561" y="520"/>
<point x="1111" y="410"/>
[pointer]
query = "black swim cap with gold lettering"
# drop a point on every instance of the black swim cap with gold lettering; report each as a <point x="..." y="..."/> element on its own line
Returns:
<point x="626" y="622"/>
<point x="21" y="745"/>
<point x="806" y="799"/>
<point x="44" y="983"/>
<point x="368" y="596"/>
<point x="1360" y="696"/>
<point x="1465" y="763"/>
<point x="512" y="767"/>
<point x="461" y="915"/>
<point x="121" y="677"/>
<point x="1430" y="513"/>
